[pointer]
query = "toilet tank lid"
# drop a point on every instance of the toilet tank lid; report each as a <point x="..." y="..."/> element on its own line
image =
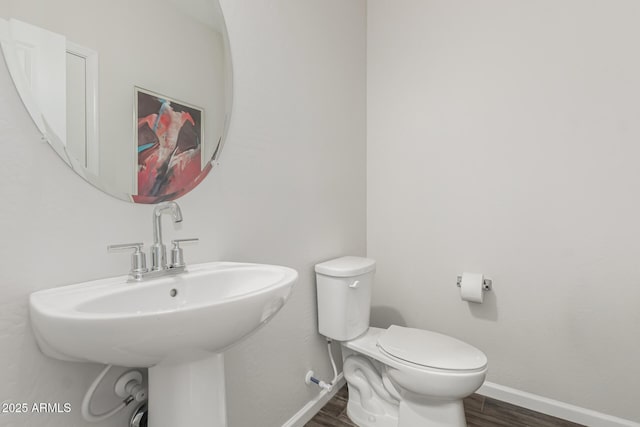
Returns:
<point x="346" y="266"/>
<point x="431" y="349"/>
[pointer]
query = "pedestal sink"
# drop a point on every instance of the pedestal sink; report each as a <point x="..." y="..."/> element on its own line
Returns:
<point x="177" y="326"/>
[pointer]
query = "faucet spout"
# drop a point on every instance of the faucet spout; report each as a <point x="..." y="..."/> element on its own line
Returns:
<point x="158" y="249"/>
<point x="159" y="267"/>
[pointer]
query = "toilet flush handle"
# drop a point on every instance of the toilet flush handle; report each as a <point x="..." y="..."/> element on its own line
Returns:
<point x="354" y="284"/>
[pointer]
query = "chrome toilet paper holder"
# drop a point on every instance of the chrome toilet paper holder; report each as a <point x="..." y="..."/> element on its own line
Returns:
<point x="486" y="283"/>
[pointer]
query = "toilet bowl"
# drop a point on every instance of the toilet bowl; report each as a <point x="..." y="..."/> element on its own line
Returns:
<point x="397" y="377"/>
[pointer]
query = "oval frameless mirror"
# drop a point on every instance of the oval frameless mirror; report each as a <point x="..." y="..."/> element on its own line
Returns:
<point x="134" y="96"/>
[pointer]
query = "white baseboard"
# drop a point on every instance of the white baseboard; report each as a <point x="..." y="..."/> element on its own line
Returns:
<point x="312" y="407"/>
<point x="552" y="407"/>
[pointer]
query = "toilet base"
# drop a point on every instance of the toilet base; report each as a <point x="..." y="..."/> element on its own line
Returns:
<point x="363" y="418"/>
<point x="431" y="413"/>
<point x="411" y="414"/>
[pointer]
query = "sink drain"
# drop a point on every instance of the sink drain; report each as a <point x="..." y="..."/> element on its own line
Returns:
<point x="139" y="417"/>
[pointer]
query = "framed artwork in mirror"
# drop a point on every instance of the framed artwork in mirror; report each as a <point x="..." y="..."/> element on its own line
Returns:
<point x="168" y="146"/>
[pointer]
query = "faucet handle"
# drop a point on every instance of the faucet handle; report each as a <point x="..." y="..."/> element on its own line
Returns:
<point x="177" y="258"/>
<point x="138" y="258"/>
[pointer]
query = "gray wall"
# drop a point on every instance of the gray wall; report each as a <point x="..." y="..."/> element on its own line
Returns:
<point x="290" y="190"/>
<point x="503" y="139"/>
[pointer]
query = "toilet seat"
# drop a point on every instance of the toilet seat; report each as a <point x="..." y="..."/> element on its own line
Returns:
<point x="430" y="349"/>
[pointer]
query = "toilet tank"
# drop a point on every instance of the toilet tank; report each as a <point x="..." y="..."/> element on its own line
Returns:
<point x="344" y="296"/>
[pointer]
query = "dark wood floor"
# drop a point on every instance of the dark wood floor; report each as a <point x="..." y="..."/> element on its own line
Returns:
<point x="334" y="413"/>
<point x="480" y="411"/>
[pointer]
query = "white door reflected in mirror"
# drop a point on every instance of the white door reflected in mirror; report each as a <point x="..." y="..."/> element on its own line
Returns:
<point x="58" y="83"/>
<point x="82" y="107"/>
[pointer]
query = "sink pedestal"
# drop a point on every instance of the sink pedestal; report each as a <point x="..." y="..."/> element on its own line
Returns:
<point x="188" y="393"/>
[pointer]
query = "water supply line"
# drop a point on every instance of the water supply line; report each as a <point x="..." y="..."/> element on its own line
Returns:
<point x="129" y="386"/>
<point x="324" y="385"/>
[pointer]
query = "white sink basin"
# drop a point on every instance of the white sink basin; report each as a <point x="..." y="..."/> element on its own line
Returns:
<point x="178" y="326"/>
<point x="173" y="318"/>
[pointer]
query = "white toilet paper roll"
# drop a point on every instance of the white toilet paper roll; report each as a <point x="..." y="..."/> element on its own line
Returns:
<point x="471" y="287"/>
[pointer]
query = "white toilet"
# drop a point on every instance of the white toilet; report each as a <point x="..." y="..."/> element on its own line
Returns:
<point x="397" y="377"/>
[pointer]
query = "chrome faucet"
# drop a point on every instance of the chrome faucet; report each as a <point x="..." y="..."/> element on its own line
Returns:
<point x="159" y="267"/>
<point x="158" y="249"/>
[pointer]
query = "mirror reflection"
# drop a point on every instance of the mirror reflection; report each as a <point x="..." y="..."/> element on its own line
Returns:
<point x="134" y="96"/>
